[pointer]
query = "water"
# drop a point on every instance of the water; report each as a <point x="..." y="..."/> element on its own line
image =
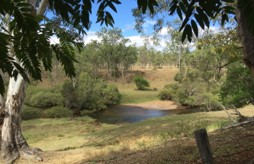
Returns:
<point x="129" y="114"/>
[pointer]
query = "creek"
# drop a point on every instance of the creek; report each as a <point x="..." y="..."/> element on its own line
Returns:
<point x="129" y="114"/>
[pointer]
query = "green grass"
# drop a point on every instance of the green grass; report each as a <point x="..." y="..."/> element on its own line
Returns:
<point x="64" y="133"/>
<point x="131" y="95"/>
<point x="136" y="96"/>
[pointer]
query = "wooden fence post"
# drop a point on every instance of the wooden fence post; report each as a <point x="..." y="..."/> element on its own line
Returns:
<point x="204" y="146"/>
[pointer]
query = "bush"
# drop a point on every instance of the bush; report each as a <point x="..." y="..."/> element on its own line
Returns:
<point x="89" y="94"/>
<point x="141" y="83"/>
<point x="42" y="98"/>
<point x="111" y="94"/>
<point x="237" y="89"/>
<point x="191" y="94"/>
<point x="56" y="112"/>
<point x="30" y="113"/>
<point x="169" y="92"/>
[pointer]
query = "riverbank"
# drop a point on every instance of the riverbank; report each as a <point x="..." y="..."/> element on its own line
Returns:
<point x="159" y="140"/>
<point x="157" y="105"/>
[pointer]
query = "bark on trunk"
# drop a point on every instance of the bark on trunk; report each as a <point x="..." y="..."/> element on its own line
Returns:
<point x="246" y="36"/>
<point x="13" y="143"/>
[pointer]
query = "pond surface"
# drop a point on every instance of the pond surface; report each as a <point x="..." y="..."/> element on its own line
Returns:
<point x="129" y="114"/>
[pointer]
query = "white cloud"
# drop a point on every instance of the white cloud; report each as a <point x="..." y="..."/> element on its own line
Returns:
<point x="163" y="31"/>
<point x="149" y="22"/>
<point x="91" y="35"/>
<point x="129" y="27"/>
<point x="141" y="41"/>
<point x="54" y="40"/>
<point x="137" y="40"/>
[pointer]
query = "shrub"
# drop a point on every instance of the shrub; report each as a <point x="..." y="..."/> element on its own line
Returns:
<point x="56" y="112"/>
<point x="89" y="94"/>
<point x="141" y="83"/>
<point x="69" y="94"/>
<point x="191" y="94"/>
<point x="169" y="92"/>
<point x="237" y="89"/>
<point x="111" y="94"/>
<point x="42" y="98"/>
<point x="30" y="113"/>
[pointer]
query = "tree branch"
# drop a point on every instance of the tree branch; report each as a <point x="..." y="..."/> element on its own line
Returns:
<point x="42" y="7"/>
<point x="32" y="2"/>
<point x="1" y="101"/>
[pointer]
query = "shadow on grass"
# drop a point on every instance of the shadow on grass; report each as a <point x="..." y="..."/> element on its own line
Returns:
<point x="233" y="145"/>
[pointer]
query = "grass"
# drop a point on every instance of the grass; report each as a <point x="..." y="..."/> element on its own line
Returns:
<point x="157" y="79"/>
<point x="160" y="140"/>
<point x="82" y="135"/>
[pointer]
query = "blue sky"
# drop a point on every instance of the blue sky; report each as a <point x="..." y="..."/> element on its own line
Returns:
<point x="123" y="18"/>
<point x="125" y="21"/>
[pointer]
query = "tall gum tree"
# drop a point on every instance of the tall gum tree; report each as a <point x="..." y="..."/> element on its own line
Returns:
<point x="25" y="47"/>
<point x="25" y="32"/>
<point x="198" y="14"/>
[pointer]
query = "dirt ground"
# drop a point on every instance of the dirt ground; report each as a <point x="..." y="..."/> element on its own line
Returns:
<point x="158" y="105"/>
<point x="230" y="146"/>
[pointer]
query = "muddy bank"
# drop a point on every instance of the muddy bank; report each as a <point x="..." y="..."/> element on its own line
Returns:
<point x="157" y="105"/>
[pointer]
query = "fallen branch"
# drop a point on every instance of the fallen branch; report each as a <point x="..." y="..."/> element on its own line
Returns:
<point x="241" y="118"/>
<point x="229" y="115"/>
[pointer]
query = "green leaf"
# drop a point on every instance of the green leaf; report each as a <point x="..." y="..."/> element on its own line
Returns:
<point x="139" y="4"/>
<point x="194" y="27"/>
<point x="187" y="33"/>
<point x="199" y="20"/>
<point x="116" y="2"/>
<point x="144" y="6"/>
<point x="229" y="10"/>
<point x="186" y="2"/>
<point x="179" y="12"/>
<point x="2" y="89"/>
<point x="112" y="7"/>
<point x="203" y="16"/>
<point x="172" y="8"/>
<point x="183" y="7"/>
<point x="224" y="19"/>
<point x="109" y="19"/>
<point x="150" y="6"/>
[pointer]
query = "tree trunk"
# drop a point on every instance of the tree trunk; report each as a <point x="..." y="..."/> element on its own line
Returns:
<point x="246" y="35"/>
<point x="76" y="113"/>
<point x="13" y="143"/>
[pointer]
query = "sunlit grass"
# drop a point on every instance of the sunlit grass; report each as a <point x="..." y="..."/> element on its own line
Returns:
<point x="68" y="140"/>
<point x="64" y="133"/>
<point x="157" y="79"/>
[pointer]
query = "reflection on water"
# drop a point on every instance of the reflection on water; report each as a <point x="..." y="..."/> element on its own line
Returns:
<point x="129" y="114"/>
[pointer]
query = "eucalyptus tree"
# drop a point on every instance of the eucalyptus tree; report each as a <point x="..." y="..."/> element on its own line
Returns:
<point x="90" y="59"/>
<point x="198" y="14"/>
<point x="25" y="30"/>
<point x="115" y="52"/>
<point x="143" y="56"/>
<point x="25" y="48"/>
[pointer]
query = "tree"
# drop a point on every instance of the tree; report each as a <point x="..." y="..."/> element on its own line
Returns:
<point x="237" y="90"/>
<point x="141" y="83"/>
<point x="195" y="14"/>
<point x="115" y="52"/>
<point x="89" y="94"/>
<point x="24" y="42"/>
<point x="91" y="59"/>
<point x="200" y="78"/>
<point x="25" y="32"/>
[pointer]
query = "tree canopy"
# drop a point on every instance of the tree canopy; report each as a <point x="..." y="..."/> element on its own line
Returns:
<point x="27" y="34"/>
